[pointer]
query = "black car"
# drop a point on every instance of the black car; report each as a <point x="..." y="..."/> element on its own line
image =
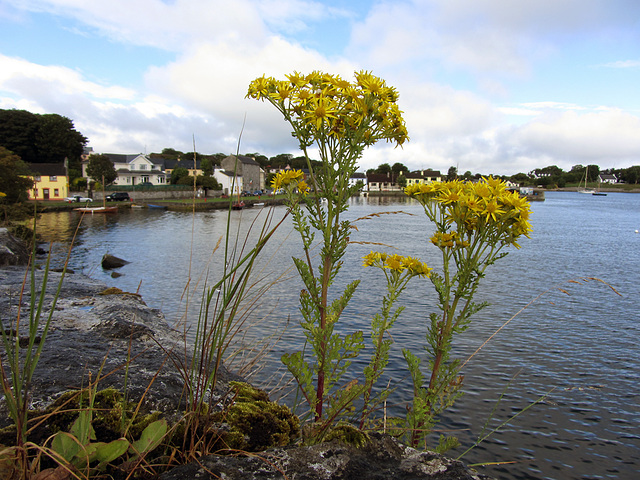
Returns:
<point x="118" y="197"/>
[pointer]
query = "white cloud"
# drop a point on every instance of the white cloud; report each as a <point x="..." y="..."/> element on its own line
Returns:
<point x="622" y="64"/>
<point x="449" y="59"/>
<point x="27" y="79"/>
<point x="574" y="137"/>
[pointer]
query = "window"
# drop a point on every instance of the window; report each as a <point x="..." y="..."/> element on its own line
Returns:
<point x="56" y="192"/>
<point x="37" y="178"/>
<point x="53" y="178"/>
<point x="142" y="166"/>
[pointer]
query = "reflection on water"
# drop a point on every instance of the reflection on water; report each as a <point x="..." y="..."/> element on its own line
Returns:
<point x="577" y="344"/>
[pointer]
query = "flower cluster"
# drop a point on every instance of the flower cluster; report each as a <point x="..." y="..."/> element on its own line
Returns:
<point x="463" y="210"/>
<point x="290" y="180"/>
<point x="397" y="263"/>
<point x="320" y="105"/>
<point x="448" y="240"/>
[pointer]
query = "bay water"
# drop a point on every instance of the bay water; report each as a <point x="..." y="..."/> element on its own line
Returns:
<point x="566" y="365"/>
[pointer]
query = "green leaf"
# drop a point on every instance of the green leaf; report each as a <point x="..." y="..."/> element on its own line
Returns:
<point x="82" y="428"/>
<point x="108" y="452"/>
<point x="66" y="445"/>
<point x="150" y="438"/>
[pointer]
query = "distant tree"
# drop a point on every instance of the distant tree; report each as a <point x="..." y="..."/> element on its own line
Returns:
<point x="401" y="181"/>
<point x="468" y="175"/>
<point x="281" y="160"/>
<point x="594" y="171"/>
<point x="13" y="181"/>
<point x="170" y="152"/>
<point x="520" y="178"/>
<point x="218" y="157"/>
<point x="48" y="138"/>
<point x="100" y="169"/>
<point x="78" y="184"/>
<point x="208" y="182"/>
<point x="206" y="165"/>
<point x="452" y="173"/>
<point x="551" y="170"/>
<point x="184" y="180"/>
<point x="398" y="167"/>
<point x="631" y="174"/>
<point x="58" y="139"/>
<point x="177" y="174"/>
<point x="383" y="168"/>
<point x="188" y="158"/>
<point x="18" y="129"/>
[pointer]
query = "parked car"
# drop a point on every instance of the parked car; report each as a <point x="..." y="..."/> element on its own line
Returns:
<point x="118" y="197"/>
<point x="78" y="199"/>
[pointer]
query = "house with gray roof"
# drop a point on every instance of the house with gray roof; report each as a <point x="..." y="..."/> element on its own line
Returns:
<point x="247" y="168"/>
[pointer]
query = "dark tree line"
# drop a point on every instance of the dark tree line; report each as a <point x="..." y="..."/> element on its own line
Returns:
<point x="36" y="138"/>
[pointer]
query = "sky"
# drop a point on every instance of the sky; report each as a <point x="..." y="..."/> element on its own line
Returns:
<point x="487" y="86"/>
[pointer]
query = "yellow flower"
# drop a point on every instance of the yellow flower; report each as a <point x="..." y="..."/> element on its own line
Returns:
<point x="394" y="262"/>
<point x="319" y="111"/>
<point x="370" y="83"/>
<point x="397" y="263"/>
<point x="285" y="178"/>
<point x="283" y="90"/>
<point x="491" y="209"/>
<point x="297" y="79"/>
<point x="302" y="187"/>
<point x="416" y="267"/>
<point x="260" y="87"/>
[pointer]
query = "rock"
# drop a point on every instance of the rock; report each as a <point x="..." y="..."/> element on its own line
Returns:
<point x="110" y="261"/>
<point x="92" y="333"/>
<point x="12" y="250"/>
<point x="381" y="458"/>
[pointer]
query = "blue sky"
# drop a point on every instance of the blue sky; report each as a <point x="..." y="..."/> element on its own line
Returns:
<point x="490" y="86"/>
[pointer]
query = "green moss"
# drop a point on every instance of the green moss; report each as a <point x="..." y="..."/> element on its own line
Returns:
<point x="257" y="423"/>
<point x="347" y="434"/>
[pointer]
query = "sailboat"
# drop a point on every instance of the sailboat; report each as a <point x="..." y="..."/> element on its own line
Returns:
<point x="584" y="189"/>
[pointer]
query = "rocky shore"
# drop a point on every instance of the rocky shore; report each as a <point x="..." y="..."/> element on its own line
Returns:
<point x="96" y="329"/>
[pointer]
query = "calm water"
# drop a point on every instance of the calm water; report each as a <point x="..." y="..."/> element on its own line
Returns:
<point x="577" y="343"/>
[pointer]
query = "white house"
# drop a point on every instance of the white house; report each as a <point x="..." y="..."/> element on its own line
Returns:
<point x="607" y="178"/>
<point x="358" y="177"/>
<point x="134" y="169"/>
<point x="231" y="183"/>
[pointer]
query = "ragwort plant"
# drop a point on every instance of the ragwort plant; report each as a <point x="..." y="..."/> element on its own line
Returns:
<point x="340" y="119"/>
<point x="474" y="222"/>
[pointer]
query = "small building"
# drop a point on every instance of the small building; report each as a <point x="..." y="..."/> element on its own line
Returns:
<point x="382" y="182"/>
<point x="231" y="184"/>
<point x="50" y="181"/>
<point x="607" y="178"/>
<point x="134" y="169"/>
<point x="358" y="177"/>
<point x="247" y="168"/>
<point x="422" y="177"/>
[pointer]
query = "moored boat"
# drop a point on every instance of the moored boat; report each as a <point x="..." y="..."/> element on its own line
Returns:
<point x="93" y="210"/>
